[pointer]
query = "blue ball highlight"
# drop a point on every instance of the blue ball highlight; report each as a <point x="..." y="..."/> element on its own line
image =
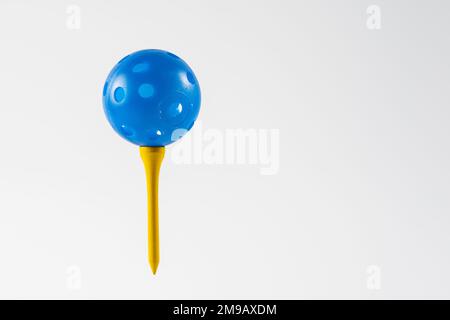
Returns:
<point x="149" y="96"/>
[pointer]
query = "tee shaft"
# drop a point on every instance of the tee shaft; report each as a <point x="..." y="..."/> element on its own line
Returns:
<point x="152" y="158"/>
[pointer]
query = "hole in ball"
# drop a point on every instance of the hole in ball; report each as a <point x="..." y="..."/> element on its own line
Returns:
<point x="173" y="111"/>
<point x="178" y="134"/>
<point x="140" y="67"/>
<point x="146" y="90"/>
<point x="119" y="94"/>
<point x="190" y="78"/>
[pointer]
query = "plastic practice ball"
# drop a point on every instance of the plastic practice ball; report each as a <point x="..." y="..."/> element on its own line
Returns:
<point x="151" y="98"/>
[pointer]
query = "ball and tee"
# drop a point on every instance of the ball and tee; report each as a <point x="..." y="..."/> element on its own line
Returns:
<point x="150" y="94"/>
<point x="151" y="98"/>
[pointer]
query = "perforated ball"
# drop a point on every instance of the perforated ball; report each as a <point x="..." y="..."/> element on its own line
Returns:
<point x="151" y="98"/>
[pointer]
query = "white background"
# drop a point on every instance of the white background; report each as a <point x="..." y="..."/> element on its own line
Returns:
<point x="364" y="173"/>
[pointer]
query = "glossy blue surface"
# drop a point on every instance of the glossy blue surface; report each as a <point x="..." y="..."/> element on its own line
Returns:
<point x="151" y="98"/>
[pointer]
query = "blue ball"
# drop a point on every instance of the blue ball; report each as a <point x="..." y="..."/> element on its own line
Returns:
<point x="151" y="98"/>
